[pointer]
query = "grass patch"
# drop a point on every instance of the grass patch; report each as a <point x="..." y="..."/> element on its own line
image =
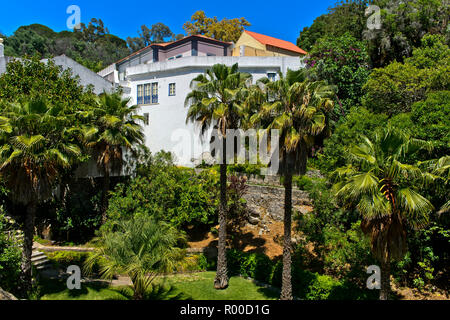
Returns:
<point x="196" y="286"/>
<point x="57" y="290"/>
<point x="200" y="286"/>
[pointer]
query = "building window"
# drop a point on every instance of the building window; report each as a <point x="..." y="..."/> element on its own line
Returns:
<point x="147" y="96"/>
<point x="155" y="92"/>
<point x="146" y="117"/>
<point x="171" y="89"/>
<point x="147" y="93"/>
<point x="171" y="58"/>
<point x="210" y="55"/>
<point x="140" y="94"/>
<point x="271" y="76"/>
<point x="178" y="56"/>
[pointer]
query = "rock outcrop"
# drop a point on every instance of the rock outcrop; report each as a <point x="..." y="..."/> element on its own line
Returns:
<point x="4" y="295"/>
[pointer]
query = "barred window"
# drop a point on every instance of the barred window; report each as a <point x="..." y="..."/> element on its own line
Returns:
<point x="155" y="92"/>
<point x="171" y="89"/>
<point x="140" y="94"/>
<point x="147" y="95"/>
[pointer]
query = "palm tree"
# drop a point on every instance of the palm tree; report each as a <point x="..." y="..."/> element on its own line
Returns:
<point x="36" y="145"/>
<point x="380" y="184"/>
<point x="115" y="128"/>
<point x="441" y="168"/>
<point x="142" y="248"/>
<point x="215" y="100"/>
<point x="298" y="108"/>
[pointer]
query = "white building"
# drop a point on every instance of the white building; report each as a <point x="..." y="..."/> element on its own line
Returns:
<point x="159" y="78"/>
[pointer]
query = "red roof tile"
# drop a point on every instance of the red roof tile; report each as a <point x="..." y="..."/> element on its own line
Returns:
<point x="266" y="40"/>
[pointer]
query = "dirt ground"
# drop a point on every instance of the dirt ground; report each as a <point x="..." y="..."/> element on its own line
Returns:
<point x="249" y="239"/>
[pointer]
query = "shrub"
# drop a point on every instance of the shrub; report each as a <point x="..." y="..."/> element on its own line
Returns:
<point x="254" y="265"/>
<point x="321" y="287"/>
<point x="63" y="259"/>
<point x="10" y="257"/>
<point x="175" y="195"/>
<point x="303" y="182"/>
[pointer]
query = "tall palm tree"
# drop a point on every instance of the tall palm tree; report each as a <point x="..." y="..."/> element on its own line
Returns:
<point x="36" y="145"/>
<point x="142" y="248"/>
<point x="115" y="128"/>
<point x="216" y="100"/>
<point x="298" y="108"/>
<point x="380" y="183"/>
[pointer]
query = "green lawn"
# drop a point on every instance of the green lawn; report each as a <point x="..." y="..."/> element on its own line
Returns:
<point x="57" y="290"/>
<point x="197" y="286"/>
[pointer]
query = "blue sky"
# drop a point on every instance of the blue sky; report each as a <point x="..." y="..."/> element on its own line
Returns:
<point x="281" y="19"/>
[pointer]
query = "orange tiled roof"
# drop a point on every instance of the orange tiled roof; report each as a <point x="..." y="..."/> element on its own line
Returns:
<point x="266" y="40"/>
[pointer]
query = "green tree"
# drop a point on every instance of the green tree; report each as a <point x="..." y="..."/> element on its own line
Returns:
<point x="92" y="46"/>
<point x="347" y="132"/>
<point x="346" y="16"/>
<point x="381" y="185"/>
<point x="142" y="248"/>
<point x="225" y="30"/>
<point x="394" y="88"/>
<point x="298" y="108"/>
<point x="10" y="256"/>
<point x="404" y="23"/>
<point x="31" y="79"/>
<point x="431" y="121"/>
<point x="36" y="144"/>
<point x="178" y="196"/>
<point x="156" y="34"/>
<point x="341" y="61"/>
<point x="216" y="100"/>
<point x="114" y="127"/>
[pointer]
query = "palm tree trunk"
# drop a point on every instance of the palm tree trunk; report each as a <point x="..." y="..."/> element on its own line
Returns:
<point x="105" y="194"/>
<point x="28" y="234"/>
<point x="221" y="280"/>
<point x="385" y="280"/>
<point x="286" y="285"/>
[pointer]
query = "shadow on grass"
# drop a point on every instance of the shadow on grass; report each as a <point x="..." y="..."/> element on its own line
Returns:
<point x="57" y="286"/>
<point x="269" y="292"/>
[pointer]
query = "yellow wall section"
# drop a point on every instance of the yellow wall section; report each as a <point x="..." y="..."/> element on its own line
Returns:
<point x="254" y="48"/>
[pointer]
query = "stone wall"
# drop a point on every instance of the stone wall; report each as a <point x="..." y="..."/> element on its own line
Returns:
<point x="269" y="201"/>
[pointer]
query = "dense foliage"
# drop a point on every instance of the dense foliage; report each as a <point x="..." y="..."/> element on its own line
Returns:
<point x="92" y="46"/>
<point x="403" y="24"/>
<point x="225" y="30"/>
<point x="10" y="256"/>
<point x="176" y="195"/>
<point x="394" y="88"/>
<point x="31" y="79"/>
<point x="140" y="247"/>
<point x="342" y="61"/>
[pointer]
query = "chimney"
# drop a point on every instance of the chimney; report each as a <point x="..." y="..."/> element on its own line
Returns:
<point x="1" y="48"/>
<point x="242" y="51"/>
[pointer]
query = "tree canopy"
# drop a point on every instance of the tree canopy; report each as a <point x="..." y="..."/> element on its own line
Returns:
<point x="225" y="30"/>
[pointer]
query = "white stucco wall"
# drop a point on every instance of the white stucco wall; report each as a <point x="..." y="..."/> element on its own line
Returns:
<point x="167" y="129"/>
